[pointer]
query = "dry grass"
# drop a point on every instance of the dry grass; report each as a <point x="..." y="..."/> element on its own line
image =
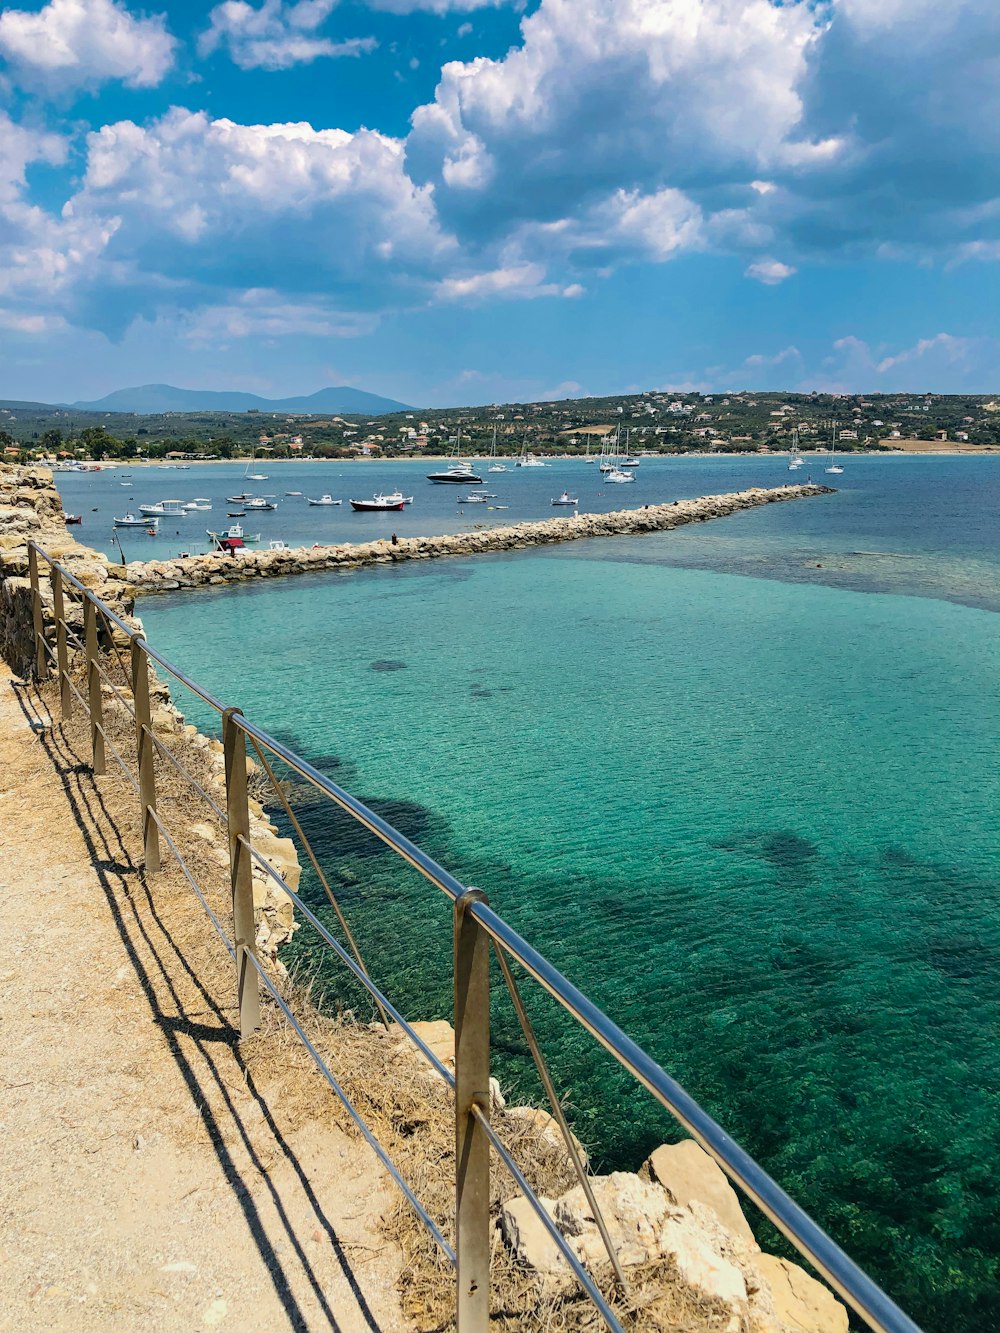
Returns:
<point x="405" y="1104"/>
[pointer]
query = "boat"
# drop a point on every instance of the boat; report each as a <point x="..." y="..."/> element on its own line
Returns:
<point x="587" y="458"/>
<point x="259" y="505"/>
<point x="834" y="469"/>
<point x="495" y="464"/>
<point x="398" y="495"/>
<point x="526" y="459"/>
<point x="233" y="533"/>
<point x="609" y="451"/>
<point x="795" y="462"/>
<point x="199" y="503"/>
<point x="479" y="499"/>
<point x="618" y="476"/>
<point x="129" y="520"/>
<point x="253" y="476"/>
<point x="240" y="499"/>
<point x="278" y="545"/>
<point x="459" y="474"/>
<point x="378" y="504"/>
<point x="164" y="509"/>
<point x="627" y="460"/>
<point x="324" y="500"/>
<point x="293" y="492"/>
<point x="566" y="499"/>
<point x="236" y="513"/>
<point x="71" y="519"/>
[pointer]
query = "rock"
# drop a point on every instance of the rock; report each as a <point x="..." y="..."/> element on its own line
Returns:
<point x="545" y="1127"/>
<point x="687" y="1172"/>
<point x="528" y="1239"/>
<point x="700" y="1264"/>
<point x="802" y="1304"/>
<point x="635" y="1212"/>
<point x="439" y="1036"/>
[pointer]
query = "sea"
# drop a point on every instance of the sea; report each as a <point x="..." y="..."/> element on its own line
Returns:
<point x="738" y="781"/>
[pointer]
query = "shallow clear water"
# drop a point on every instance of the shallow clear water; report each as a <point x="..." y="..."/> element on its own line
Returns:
<point x="755" y="818"/>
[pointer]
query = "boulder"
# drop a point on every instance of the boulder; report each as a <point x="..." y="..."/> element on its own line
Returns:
<point x="801" y="1304"/>
<point x="528" y="1240"/>
<point x="687" y="1173"/>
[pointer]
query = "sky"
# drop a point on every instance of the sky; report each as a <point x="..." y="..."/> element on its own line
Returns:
<point x="474" y="201"/>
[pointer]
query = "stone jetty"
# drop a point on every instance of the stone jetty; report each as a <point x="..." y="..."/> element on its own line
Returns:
<point x="247" y="564"/>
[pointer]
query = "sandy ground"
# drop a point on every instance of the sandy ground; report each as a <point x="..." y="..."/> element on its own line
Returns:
<point x="144" y="1181"/>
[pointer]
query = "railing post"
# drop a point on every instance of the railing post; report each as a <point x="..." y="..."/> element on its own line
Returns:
<point x="144" y="743"/>
<point x="62" y="649"/>
<point x="37" y="621"/>
<point x="234" y="745"/>
<point x="93" y="684"/>
<point x="472" y="1088"/>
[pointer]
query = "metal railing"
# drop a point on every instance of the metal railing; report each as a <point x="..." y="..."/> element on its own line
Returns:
<point x="478" y="932"/>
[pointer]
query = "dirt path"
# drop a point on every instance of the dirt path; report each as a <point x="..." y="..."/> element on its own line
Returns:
<point x="144" y="1183"/>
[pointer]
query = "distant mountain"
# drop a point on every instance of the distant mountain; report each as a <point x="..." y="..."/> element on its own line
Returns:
<point x="151" y="398"/>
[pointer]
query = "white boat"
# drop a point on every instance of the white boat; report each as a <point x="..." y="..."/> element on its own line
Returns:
<point x="255" y="475"/>
<point x="394" y="496"/>
<point x="278" y="545"/>
<point x="164" y="509"/>
<point x="259" y="505"/>
<point x="495" y="464"/>
<point x="325" y="500"/>
<point x="233" y="533"/>
<point x="618" y="476"/>
<point x="528" y="460"/>
<point x="587" y="458"/>
<point x="377" y="504"/>
<point x="129" y="520"/>
<point x="834" y="469"/>
<point x="199" y="503"/>
<point x="480" y="499"/>
<point x="566" y="499"/>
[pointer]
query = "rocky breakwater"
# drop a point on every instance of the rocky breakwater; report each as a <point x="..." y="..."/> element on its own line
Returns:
<point x="215" y="570"/>
<point x="31" y="509"/>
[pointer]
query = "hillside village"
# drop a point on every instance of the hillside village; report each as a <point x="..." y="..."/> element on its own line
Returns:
<point x="655" y="422"/>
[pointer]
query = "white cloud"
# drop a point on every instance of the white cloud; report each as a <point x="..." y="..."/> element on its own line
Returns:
<point x="770" y="271"/>
<point x="518" y="280"/>
<point x="75" y="43"/>
<point x="963" y="363"/>
<point x="277" y="35"/>
<point x="264" y="313"/>
<point x="442" y="6"/>
<point x="188" y="210"/>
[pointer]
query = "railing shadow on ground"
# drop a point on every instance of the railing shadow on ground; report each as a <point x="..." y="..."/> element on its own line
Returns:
<point x="153" y="954"/>
<point x="479" y="933"/>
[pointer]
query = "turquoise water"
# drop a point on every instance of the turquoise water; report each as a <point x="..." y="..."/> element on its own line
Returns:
<point x="754" y="815"/>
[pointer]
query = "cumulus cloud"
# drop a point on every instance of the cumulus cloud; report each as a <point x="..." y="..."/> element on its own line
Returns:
<point x="523" y="281"/>
<point x="75" y="43"/>
<point x="442" y="6"/>
<point x="275" y="35"/>
<point x="770" y="271"/>
<point x="195" y="208"/>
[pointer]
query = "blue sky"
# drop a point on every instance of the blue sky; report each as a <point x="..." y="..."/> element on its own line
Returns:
<point x="448" y="201"/>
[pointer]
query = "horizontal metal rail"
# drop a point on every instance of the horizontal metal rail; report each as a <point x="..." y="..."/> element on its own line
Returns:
<point x="857" y="1289"/>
